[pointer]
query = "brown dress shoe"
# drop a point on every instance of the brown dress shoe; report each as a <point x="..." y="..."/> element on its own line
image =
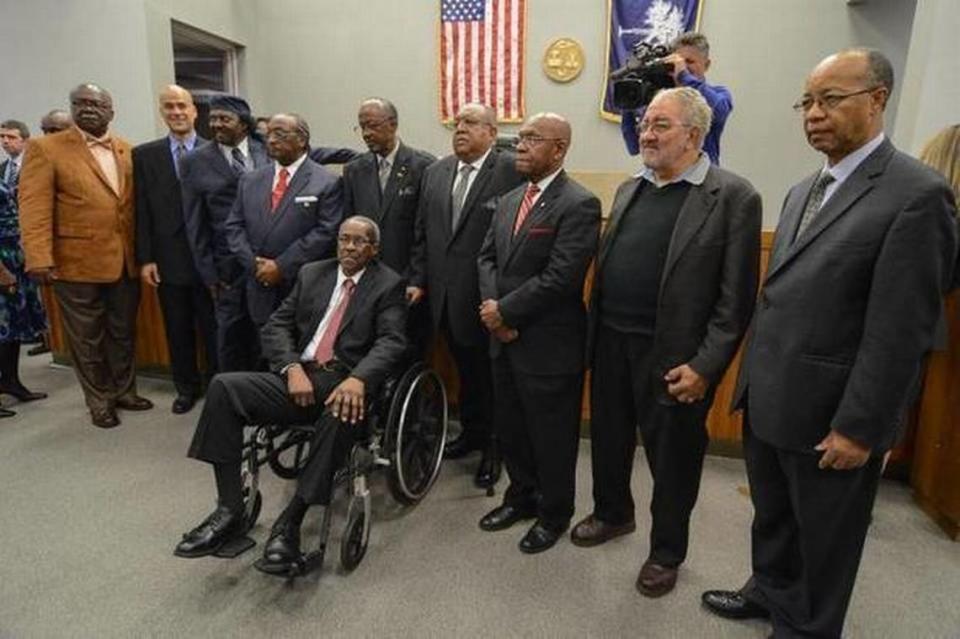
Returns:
<point x="134" y="402"/>
<point x="655" y="580"/>
<point x="104" y="417"/>
<point x="591" y="531"/>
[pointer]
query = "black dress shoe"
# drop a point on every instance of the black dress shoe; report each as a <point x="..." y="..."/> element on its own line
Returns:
<point x="460" y="447"/>
<point x="39" y="349"/>
<point x="182" y="404"/>
<point x="104" y="417"/>
<point x="134" y="402"/>
<point x="591" y="531"/>
<point x="488" y="472"/>
<point x="6" y="413"/>
<point x="540" y="537"/>
<point x="21" y="392"/>
<point x="732" y="605"/>
<point x="221" y="526"/>
<point x="504" y="516"/>
<point x="282" y="549"/>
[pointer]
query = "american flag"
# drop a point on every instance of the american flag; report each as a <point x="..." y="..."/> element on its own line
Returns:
<point x="481" y="56"/>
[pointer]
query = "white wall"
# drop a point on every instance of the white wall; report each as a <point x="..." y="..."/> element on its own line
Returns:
<point x="321" y="57"/>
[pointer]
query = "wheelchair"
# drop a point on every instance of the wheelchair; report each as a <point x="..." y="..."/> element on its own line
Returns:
<point x="406" y="429"/>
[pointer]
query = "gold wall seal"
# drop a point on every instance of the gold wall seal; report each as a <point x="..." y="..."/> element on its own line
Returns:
<point x="563" y="60"/>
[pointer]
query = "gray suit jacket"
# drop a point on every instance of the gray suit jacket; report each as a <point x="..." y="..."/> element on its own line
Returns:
<point x="301" y="230"/>
<point x="848" y="310"/>
<point x="709" y="281"/>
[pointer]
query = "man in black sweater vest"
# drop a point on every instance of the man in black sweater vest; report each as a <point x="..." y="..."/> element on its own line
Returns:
<point x="672" y="294"/>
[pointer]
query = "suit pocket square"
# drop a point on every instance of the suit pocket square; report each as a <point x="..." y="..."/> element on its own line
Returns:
<point x="541" y="230"/>
<point x="407" y="191"/>
<point x="305" y="199"/>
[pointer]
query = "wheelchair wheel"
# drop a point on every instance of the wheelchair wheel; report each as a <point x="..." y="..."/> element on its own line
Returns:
<point x="356" y="535"/>
<point x="416" y="430"/>
<point x="288" y="456"/>
<point x="252" y="499"/>
<point x="251" y="507"/>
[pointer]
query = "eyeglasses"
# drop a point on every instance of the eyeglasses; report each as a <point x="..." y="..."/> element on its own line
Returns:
<point x="828" y="101"/>
<point x="370" y="126"/>
<point x="354" y="240"/>
<point x="660" y="126"/>
<point x="533" y="140"/>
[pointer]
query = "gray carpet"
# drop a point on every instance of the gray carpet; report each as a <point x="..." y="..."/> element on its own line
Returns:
<point x="89" y="519"/>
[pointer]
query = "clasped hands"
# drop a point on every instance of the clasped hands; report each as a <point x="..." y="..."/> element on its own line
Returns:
<point x="493" y="321"/>
<point x="267" y="272"/>
<point x="345" y="401"/>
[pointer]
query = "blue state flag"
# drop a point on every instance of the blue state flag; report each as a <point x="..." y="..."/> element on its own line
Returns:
<point x="632" y="21"/>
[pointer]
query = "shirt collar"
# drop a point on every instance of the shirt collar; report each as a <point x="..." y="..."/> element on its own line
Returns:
<point x="695" y="174"/>
<point x="548" y="180"/>
<point x="476" y="164"/>
<point x="291" y="168"/>
<point x="342" y="277"/>
<point x="188" y="143"/>
<point x="243" y="145"/>
<point x="842" y="169"/>
<point x="392" y="156"/>
<point x="104" y="140"/>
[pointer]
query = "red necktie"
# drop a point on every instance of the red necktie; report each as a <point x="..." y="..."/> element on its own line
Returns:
<point x="279" y="189"/>
<point x="525" y="206"/>
<point x="324" y="352"/>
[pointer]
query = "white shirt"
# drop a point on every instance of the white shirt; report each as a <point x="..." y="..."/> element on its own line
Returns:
<point x="477" y="165"/>
<point x="244" y="147"/>
<point x="307" y="354"/>
<point x="291" y="170"/>
<point x="842" y="169"/>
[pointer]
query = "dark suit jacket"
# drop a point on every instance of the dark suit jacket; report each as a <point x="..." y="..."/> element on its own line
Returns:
<point x="371" y="338"/>
<point x="538" y="275"/>
<point x="161" y="234"/>
<point x="396" y="210"/>
<point x="209" y="188"/>
<point x="848" y="310"/>
<point x="445" y="259"/>
<point x="709" y="281"/>
<point x="302" y="229"/>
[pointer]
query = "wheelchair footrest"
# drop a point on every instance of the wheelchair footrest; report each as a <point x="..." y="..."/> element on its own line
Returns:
<point x="305" y="564"/>
<point x="235" y="548"/>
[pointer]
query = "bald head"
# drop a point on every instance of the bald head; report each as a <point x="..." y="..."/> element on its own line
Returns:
<point x="55" y="121"/>
<point x="177" y="110"/>
<point x="543" y="141"/>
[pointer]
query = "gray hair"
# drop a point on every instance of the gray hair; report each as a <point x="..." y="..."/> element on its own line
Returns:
<point x="879" y="70"/>
<point x="696" y="112"/>
<point x="373" y="229"/>
<point x="96" y="88"/>
<point x="299" y="123"/>
<point x="385" y="105"/>
<point x="692" y="39"/>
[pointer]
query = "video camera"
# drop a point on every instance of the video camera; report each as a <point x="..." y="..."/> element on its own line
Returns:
<point x="642" y="76"/>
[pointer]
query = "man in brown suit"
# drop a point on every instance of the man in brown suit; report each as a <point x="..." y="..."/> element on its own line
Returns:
<point x="76" y="218"/>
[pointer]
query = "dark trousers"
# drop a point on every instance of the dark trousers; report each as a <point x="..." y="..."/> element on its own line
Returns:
<point x="235" y="400"/>
<point x="100" y="321"/>
<point x="476" y="386"/>
<point x="537" y="421"/>
<point x="674" y="441"/>
<point x="187" y="310"/>
<point x="238" y="338"/>
<point x="808" y="532"/>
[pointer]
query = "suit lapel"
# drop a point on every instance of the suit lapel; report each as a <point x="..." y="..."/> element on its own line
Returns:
<point x="620" y="206"/>
<point x="397" y="172"/>
<point x="300" y="179"/>
<point x="91" y="162"/>
<point x="445" y="210"/>
<point x="789" y="220"/>
<point x="366" y="283"/>
<point x="479" y="184"/>
<point x="504" y="232"/>
<point x="852" y="189"/>
<point x="699" y="203"/>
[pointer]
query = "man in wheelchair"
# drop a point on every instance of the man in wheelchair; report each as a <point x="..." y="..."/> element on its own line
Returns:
<point x="330" y="344"/>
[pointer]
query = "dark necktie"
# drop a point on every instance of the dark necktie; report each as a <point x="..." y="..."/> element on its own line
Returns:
<point x="460" y="194"/>
<point x="324" y="352"/>
<point x="525" y="206"/>
<point x="13" y="174"/>
<point x="813" y="202"/>
<point x="178" y="157"/>
<point x="239" y="163"/>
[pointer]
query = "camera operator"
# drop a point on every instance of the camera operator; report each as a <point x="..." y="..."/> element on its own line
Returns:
<point x="690" y="60"/>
